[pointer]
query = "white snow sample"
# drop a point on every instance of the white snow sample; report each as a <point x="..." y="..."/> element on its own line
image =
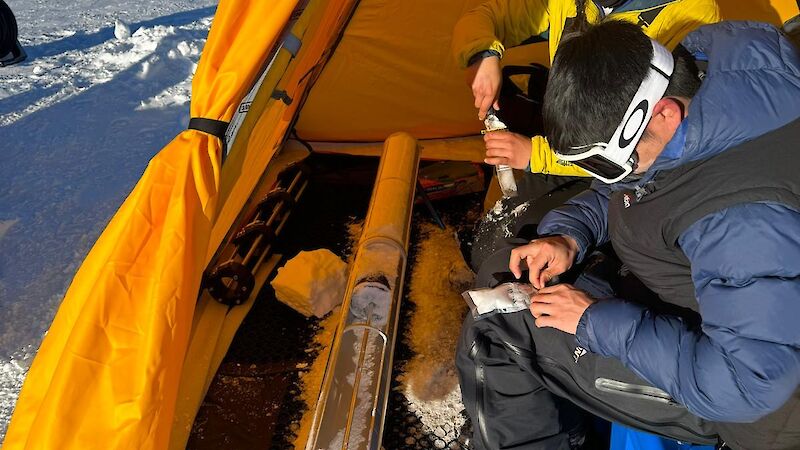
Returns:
<point x="312" y="283"/>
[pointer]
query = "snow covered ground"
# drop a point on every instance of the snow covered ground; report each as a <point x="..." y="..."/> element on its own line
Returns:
<point x="79" y="120"/>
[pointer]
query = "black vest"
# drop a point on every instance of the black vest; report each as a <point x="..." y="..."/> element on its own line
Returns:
<point x="645" y="231"/>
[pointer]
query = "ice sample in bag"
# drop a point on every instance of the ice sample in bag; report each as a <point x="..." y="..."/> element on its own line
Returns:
<point x="502" y="299"/>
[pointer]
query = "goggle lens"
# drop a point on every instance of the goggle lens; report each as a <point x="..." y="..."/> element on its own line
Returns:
<point x="596" y="164"/>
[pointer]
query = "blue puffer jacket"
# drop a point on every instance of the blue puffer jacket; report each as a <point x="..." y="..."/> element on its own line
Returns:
<point x="745" y="260"/>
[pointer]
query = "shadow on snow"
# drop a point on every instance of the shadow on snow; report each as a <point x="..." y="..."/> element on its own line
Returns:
<point x="82" y="40"/>
<point x="65" y="171"/>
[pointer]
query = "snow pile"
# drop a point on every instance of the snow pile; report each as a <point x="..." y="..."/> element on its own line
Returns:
<point x="441" y="417"/>
<point x="312" y="283"/>
<point x="502" y="216"/>
<point x="12" y="373"/>
<point x="354" y="229"/>
<point x="498" y="224"/>
<point x="430" y="382"/>
<point x="157" y="54"/>
<point x="121" y="30"/>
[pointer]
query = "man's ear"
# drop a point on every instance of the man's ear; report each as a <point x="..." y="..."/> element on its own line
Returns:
<point x="662" y="108"/>
<point x="668" y="112"/>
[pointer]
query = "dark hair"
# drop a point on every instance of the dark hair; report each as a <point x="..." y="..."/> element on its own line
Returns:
<point x="594" y="76"/>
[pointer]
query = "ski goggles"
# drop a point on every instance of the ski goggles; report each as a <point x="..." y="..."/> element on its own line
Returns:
<point x="614" y="160"/>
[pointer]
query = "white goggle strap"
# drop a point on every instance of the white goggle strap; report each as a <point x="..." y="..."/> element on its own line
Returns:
<point x="622" y="143"/>
<point x="630" y="130"/>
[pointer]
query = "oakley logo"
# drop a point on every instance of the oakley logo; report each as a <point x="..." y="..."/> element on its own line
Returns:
<point x="634" y="124"/>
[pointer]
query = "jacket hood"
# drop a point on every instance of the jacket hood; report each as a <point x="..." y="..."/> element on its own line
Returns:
<point x="751" y="87"/>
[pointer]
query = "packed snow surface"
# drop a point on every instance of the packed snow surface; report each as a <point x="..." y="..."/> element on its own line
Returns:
<point x="105" y="86"/>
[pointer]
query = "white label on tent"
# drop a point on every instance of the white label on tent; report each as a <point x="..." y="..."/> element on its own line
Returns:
<point x="244" y="106"/>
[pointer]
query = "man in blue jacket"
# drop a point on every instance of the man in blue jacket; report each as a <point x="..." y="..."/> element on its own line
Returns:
<point x="700" y="197"/>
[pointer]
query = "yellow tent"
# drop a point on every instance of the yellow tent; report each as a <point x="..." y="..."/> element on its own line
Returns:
<point x="136" y="340"/>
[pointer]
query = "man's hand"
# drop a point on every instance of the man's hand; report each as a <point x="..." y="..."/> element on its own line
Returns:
<point x="560" y="306"/>
<point x="545" y="258"/>
<point x="510" y="149"/>
<point x="485" y="77"/>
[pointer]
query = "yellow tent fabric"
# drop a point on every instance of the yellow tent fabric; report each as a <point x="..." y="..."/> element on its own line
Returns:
<point x="771" y="11"/>
<point x="106" y="375"/>
<point x="268" y="119"/>
<point x="392" y="71"/>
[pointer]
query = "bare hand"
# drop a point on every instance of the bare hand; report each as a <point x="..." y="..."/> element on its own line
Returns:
<point x="485" y="78"/>
<point x="545" y="257"/>
<point x="510" y="149"/>
<point x="560" y="306"/>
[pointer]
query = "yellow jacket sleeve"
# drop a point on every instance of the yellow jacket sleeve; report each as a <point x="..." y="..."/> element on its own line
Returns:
<point x="495" y="24"/>
<point x="543" y="160"/>
<point x="681" y="18"/>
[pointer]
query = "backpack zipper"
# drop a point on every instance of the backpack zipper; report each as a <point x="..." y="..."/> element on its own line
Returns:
<point x="634" y="390"/>
<point x="480" y="385"/>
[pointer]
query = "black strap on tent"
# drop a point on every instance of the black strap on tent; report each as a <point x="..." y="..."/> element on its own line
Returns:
<point x="292" y="44"/>
<point x="210" y="126"/>
<point x="282" y="96"/>
<point x="213" y="127"/>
